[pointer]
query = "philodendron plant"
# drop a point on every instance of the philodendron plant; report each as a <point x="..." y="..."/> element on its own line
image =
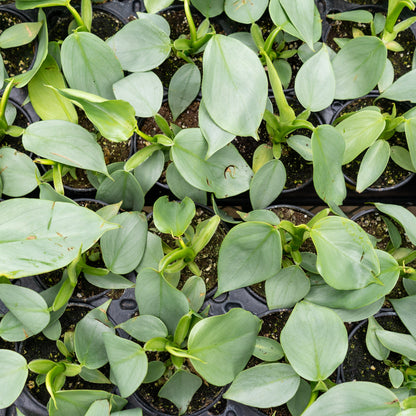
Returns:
<point x="199" y="348"/>
<point x="83" y="354"/>
<point x="314" y="342"/>
<point x="267" y="249"/>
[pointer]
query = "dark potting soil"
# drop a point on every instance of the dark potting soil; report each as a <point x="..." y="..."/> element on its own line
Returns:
<point x="207" y="258"/>
<point x="272" y="325"/>
<point x="393" y="174"/>
<point x="364" y="1"/>
<point x="359" y="365"/>
<point x="39" y="346"/>
<point x="203" y="397"/>
<point x="402" y="61"/>
<point x="6" y="345"/>
<point x="104" y="24"/>
<point x="16" y="60"/>
<point x="297" y="218"/>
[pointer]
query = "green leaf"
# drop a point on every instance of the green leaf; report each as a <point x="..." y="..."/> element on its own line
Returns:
<point x="224" y="343"/>
<point x="287" y="287"/>
<point x="402" y="89"/>
<point x="401" y="157"/>
<point x="18" y="173"/>
<point x="19" y="34"/>
<point x="404" y="308"/>
<point x="21" y="80"/>
<point x="153" y="252"/>
<point x="374" y="346"/>
<point x="180" y="388"/>
<point x="13" y="375"/>
<point x="315" y="82"/>
<point x="250" y="253"/>
<point x="114" y="119"/>
<point x="243" y="11"/>
<point x="209" y="8"/>
<point x="314" y="357"/>
<point x="357" y="262"/>
<point x="355" y="398"/>
<point x="194" y="289"/>
<point x="215" y="136"/>
<point x="403" y="344"/>
<point x="149" y="171"/>
<point x="327" y="151"/>
<point x="47" y="239"/>
<point x="155" y="296"/>
<point x="359" y="66"/>
<point x="47" y="102"/>
<point x="93" y="376"/>
<point x="302" y="145"/>
<point x="181" y="188"/>
<point x="360" y="131"/>
<point x="109" y="281"/>
<point x="99" y="408"/>
<point x="355" y="315"/>
<point x="144" y="327"/>
<point x="225" y="173"/>
<point x="183" y="88"/>
<point x="266" y="385"/>
<point x="410" y="129"/>
<point x="66" y="143"/>
<point x="90" y="65"/>
<point x="122" y="186"/>
<point x="267" y="184"/>
<point x="77" y="402"/>
<point x="234" y="69"/>
<point x="359" y="16"/>
<point x="123" y="248"/>
<point x="267" y="349"/>
<point x="326" y="295"/>
<point x="396" y="377"/>
<point x="143" y="90"/>
<point x="28" y="307"/>
<point x="373" y="164"/>
<point x="154" y="6"/>
<point x="173" y="217"/>
<point x="31" y="4"/>
<point x="154" y="46"/>
<point x="302" y="15"/>
<point x="155" y="370"/>
<point x="128" y="363"/>
<point x="89" y="342"/>
<point x="387" y="78"/>
<point x="404" y="217"/>
<point x="298" y="403"/>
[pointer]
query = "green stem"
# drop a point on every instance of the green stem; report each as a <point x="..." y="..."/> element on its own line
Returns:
<point x="77" y="16"/>
<point x="270" y="39"/>
<point x="314" y="396"/>
<point x="177" y="254"/>
<point x="144" y="135"/>
<point x="192" y="28"/>
<point x="201" y="42"/>
<point x="5" y="99"/>
<point x="57" y="178"/>
<point x="395" y="7"/>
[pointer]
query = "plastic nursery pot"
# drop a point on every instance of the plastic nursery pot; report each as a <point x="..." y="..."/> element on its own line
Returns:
<point x="84" y="291"/>
<point x="207" y="258"/>
<point x="359" y="364"/>
<point x="16" y="60"/>
<point x="402" y="61"/>
<point x="297" y="216"/>
<point x="393" y="176"/>
<point x="33" y="399"/>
